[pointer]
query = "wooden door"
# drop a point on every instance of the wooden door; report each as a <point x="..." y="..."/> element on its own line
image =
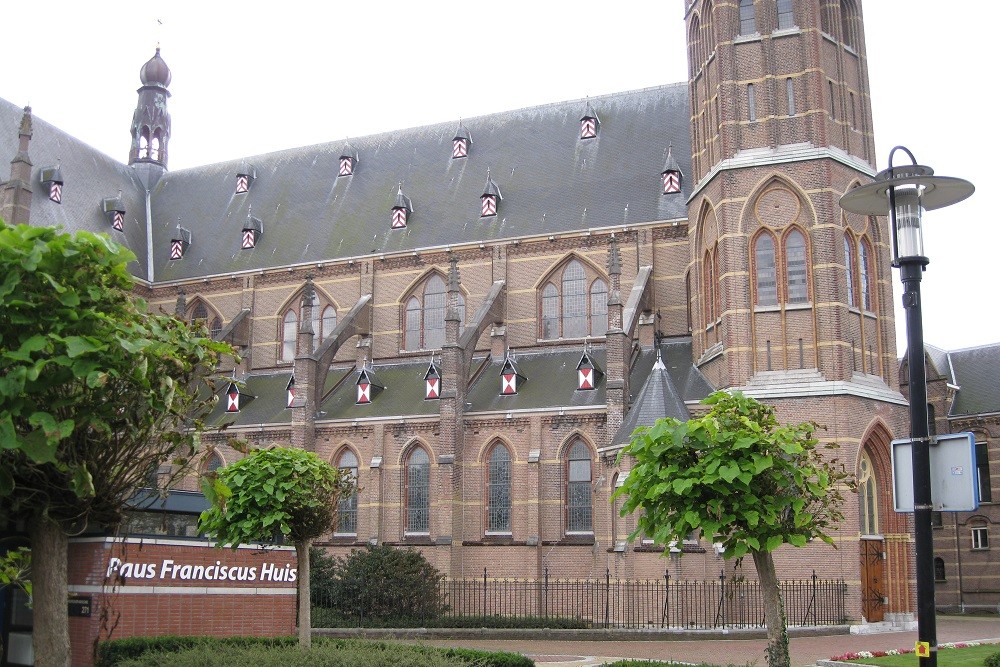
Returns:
<point x="872" y="587"/>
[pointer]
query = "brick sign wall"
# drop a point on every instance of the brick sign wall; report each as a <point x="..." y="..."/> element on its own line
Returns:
<point x="154" y="587"/>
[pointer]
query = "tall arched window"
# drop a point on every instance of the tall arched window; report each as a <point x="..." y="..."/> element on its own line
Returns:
<point x="709" y="271"/>
<point x="498" y="501"/>
<point x="868" y="497"/>
<point x="289" y="329"/>
<point x="213" y="462"/>
<point x="796" y="275"/>
<point x="694" y="46"/>
<point x="347" y="509"/>
<point x="849" y="269"/>
<point x="215" y="328"/>
<point x="417" y="477"/>
<point x="579" y="499"/>
<point x="573" y="304"/>
<point x="765" y="270"/>
<point x="424" y="316"/>
<point x="328" y="323"/>
<point x="748" y="24"/>
<point x="865" y="266"/>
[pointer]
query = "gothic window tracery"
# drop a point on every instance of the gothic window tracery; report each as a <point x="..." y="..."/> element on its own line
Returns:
<point x="573" y="303"/>
<point x="424" y="315"/>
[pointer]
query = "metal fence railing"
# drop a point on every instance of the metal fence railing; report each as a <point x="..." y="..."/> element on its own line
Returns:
<point x="597" y="603"/>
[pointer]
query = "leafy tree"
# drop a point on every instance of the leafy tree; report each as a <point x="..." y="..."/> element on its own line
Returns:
<point x="272" y="493"/>
<point x="95" y="392"/>
<point x="379" y="584"/>
<point x="743" y="481"/>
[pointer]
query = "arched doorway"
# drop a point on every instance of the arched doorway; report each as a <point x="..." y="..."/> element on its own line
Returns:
<point x="873" y="596"/>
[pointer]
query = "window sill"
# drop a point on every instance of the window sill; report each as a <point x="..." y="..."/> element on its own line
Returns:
<point x="799" y="306"/>
<point x="775" y="308"/>
<point x="573" y="539"/>
<point x="783" y="32"/>
<point x="556" y="341"/>
<point x="752" y="37"/>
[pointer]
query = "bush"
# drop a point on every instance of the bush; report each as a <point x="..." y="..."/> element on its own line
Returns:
<point x="992" y="660"/>
<point x="284" y="651"/>
<point x="376" y="585"/>
<point x="323" y="617"/>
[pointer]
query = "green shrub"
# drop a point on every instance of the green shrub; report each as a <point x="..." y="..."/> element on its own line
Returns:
<point x="116" y="651"/>
<point x="324" y="617"/>
<point x="377" y="584"/>
<point x="992" y="660"/>
<point x="284" y="651"/>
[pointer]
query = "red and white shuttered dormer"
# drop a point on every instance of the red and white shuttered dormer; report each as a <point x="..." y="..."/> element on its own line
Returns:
<point x="490" y="198"/>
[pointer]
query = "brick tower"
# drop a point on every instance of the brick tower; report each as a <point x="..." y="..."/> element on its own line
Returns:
<point x="791" y="299"/>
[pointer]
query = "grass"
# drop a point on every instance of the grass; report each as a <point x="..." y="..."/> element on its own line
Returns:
<point x="969" y="656"/>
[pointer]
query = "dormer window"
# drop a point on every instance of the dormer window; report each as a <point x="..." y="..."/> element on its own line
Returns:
<point x="367" y="386"/>
<point x="589" y="123"/>
<point x="671" y="174"/>
<point x="510" y="377"/>
<point x="348" y="161"/>
<point x="52" y="181"/>
<point x="491" y="198"/>
<point x="253" y="229"/>
<point x="460" y="144"/>
<point x="232" y="398"/>
<point x="245" y="178"/>
<point x="290" y="392"/>
<point x="180" y="243"/>
<point x="114" y="211"/>
<point x="587" y="373"/>
<point x="401" y="209"/>
<point x="432" y="383"/>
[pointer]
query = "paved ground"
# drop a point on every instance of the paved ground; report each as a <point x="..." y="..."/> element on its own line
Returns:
<point x="805" y="650"/>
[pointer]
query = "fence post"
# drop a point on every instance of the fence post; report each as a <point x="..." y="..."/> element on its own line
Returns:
<point x="721" y="613"/>
<point x="812" y="603"/>
<point x="545" y="593"/>
<point x="665" y="617"/>
<point x="607" y="596"/>
<point x="485" y="593"/>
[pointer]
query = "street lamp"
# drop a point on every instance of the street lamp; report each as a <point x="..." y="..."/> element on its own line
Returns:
<point x="904" y="193"/>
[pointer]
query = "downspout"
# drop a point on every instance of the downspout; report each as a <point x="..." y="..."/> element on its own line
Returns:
<point x="149" y="237"/>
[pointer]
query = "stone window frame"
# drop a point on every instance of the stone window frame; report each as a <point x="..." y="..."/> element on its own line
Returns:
<point x="411" y="491"/>
<point x="493" y="480"/>
<point x="747" y="18"/>
<point x="347" y="508"/>
<point x="324" y="321"/>
<point x="576" y="448"/>
<point x="980" y="535"/>
<point x="414" y="304"/>
<point x="552" y="301"/>
<point x="201" y="310"/>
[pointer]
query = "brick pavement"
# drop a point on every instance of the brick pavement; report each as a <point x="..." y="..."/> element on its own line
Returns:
<point x="804" y="650"/>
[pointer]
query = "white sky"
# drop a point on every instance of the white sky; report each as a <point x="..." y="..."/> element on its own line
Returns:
<point x="251" y="77"/>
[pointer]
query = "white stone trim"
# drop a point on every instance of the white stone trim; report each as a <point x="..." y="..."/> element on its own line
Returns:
<point x="178" y="590"/>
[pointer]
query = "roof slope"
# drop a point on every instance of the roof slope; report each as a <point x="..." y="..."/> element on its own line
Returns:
<point x="976" y="372"/>
<point x="89" y="176"/>
<point x="551" y="181"/>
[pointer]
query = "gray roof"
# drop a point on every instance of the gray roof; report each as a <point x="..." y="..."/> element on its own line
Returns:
<point x="88" y="176"/>
<point x="551" y="181"/>
<point x="977" y="374"/>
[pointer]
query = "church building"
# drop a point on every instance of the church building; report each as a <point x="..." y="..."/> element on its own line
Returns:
<point x="473" y="316"/>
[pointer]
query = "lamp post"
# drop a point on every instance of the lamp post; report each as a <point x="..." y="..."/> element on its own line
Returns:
<point x="904" y="193"/>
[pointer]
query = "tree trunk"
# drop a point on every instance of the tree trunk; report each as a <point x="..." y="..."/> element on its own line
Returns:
<point x="305" y="603"/>
<point x="774" y="610"/>
<point x="49" y="564"/>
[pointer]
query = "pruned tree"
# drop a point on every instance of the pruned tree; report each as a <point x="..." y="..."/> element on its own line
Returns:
<point x="95" y="392"/>
<point x="743" y="481"/>
<point x="281" y="492"/>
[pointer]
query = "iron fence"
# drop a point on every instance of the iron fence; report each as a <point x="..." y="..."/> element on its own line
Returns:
<point x="596" y="603"/>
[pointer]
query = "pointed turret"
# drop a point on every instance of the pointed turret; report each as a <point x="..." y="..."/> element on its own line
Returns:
<point x="151" y="122"/>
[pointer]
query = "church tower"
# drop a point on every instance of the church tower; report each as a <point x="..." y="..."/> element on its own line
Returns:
<point x="151" y="122"/>
<point x="791" y="298"/>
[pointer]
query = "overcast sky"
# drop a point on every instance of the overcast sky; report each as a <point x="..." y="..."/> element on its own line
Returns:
<point x="249" y="78"/>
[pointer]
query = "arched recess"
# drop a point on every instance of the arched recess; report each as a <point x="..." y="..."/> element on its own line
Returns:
<point x="577" y="456"/>
<point x="783" y="322"/>
<point x="415" y="462"/>
<point x="695" y="48"/>
<point x="498" y="485"/>
<point x="572" y="299"/>
<point x="423" y="307"/>
<point x="709" y="305"/>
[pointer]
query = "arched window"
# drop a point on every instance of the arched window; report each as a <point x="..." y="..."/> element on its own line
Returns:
<point x="144" y="143"/>
<point x="213" y="462"/>
<point x="328" y="323"/>
<point x="709" y="271"/>
<point x="347" y="510"/>
<point x="424" y="316"/>
<point x="216" y="328"/>
<point x="849" y="269"/>
<point x="868" y="497"/>
<point x="848" y="23"/>
<point x="572" y="309"/>
<point x="154" y="147"/>
<point x="748" y="24"/>
<point x="579" y="499"/>
<point x="796" y="278"/>
<point x="417" y="479"/>
<point x="786" y="17"/>
<point x="764" y="267"/>
<point x="939" y="573"/>
<point x="694" y="46"/>
<point x="598" y="308"/>
<point x="751" y="102"/>
<point x="498" y="501"/>
<point x="289" y="329"/>
<point x="199" y="313"/>
<point x="865" y="266"/>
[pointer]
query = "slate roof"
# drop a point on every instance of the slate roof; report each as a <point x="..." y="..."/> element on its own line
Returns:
<point x="267" y="406"/>
<point x="89" y="176"/>
<point x="976" y="372"/>
<point x="551" y="180"/>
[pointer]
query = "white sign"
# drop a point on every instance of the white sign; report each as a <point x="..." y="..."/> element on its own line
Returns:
<point x="170" y="570"/>
<point x="954" y="476"/>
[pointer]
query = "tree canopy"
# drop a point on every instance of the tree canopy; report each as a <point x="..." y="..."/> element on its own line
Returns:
<point x="281" y="492"/>
<point x="743" y="481"/>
